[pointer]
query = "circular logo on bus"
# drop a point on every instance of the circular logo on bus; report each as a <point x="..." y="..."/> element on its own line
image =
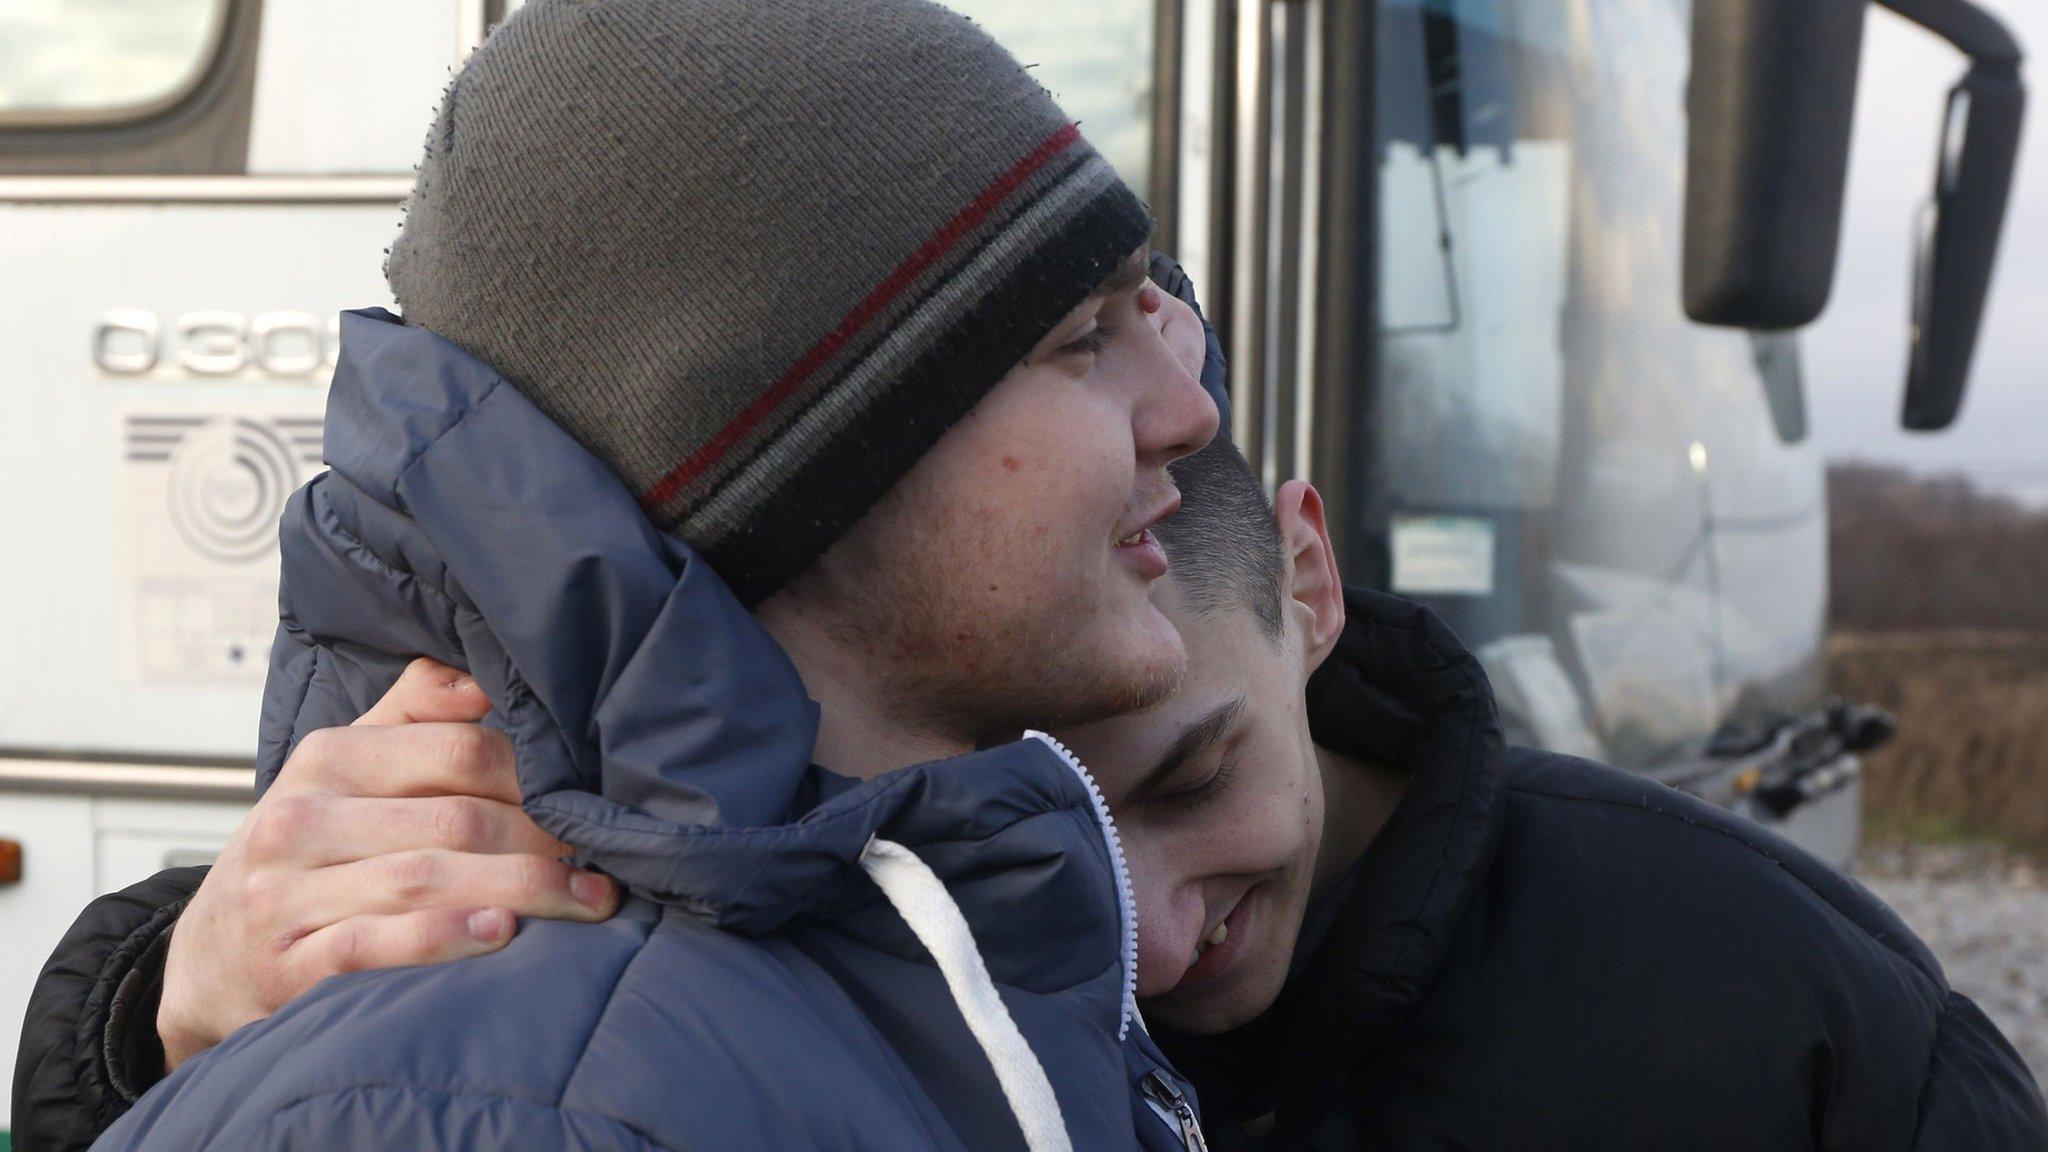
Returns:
<point x="229" y="480"/>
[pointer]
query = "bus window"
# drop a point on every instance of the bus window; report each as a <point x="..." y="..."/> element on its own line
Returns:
<point x="1095" y="56"/>
<point x="103" y="60"/>
<point x="1592" y="490"/>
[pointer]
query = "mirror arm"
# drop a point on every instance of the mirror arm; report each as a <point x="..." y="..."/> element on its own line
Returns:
<point x="1960" y="230"/>
<point x="1976" y="33"/>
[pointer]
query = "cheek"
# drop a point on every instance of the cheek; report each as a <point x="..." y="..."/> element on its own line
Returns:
<point x="1027" y="540"/>
<point x="1164" y="881"/>
<point x="1059" y="468"/>
<point x="1170" y="912"/>
<point x="1271" y="829"/>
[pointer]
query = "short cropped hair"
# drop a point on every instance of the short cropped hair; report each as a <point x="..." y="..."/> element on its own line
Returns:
<point x="1223" y="545"/>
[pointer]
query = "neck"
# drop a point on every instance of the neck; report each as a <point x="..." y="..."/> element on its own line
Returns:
<point x="1358" y="798"/>
<point x="859" y="733"/>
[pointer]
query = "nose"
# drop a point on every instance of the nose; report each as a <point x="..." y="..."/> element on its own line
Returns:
<point x="1175" y="415"/>
<point x="1169" y="924"/>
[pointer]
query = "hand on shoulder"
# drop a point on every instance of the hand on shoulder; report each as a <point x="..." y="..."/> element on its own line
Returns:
<point x="396" y="841"/>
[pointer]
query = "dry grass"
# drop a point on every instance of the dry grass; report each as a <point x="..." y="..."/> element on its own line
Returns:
<point x="1971" y="756"/>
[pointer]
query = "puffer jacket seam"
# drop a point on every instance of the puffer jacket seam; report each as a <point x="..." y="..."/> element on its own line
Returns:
<point x="367" y="557"/>
<point x="1927" y="1074"/>
<point x="898" y="782"/>
<point x="1872" y="938"/>
<point x="824" y="896"/>
<point x="299" y="707"/>
<point x="419" y="454"/>
<point x="1464" y="664"/>
<point x="917" y="952"/>
<point x="458" y="1091"/>
<point x="284" y="1113"/>
<point x="615" y="820"/>
<point x="603" y="1014"/>
<point x="888" y="1059"/>
<point x="895" y="782"/>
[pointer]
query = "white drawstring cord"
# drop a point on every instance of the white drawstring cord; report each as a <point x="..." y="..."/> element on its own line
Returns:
<point x="923" y="902"/>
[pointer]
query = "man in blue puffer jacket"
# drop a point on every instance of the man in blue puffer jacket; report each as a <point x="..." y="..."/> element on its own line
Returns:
<point x="658" y="496"/>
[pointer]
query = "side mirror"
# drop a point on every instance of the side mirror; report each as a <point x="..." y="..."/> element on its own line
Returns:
<point x="1769" y="109"/>
<point x="1958" y="242"/>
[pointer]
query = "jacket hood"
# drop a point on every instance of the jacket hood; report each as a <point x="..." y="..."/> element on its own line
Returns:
<point x="661" y="732"/>
<point x="1402" y="690"/>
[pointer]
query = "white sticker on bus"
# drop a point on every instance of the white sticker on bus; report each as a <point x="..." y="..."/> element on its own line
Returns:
<point x="198" y="492"/>
<point x="1443" y="556"/>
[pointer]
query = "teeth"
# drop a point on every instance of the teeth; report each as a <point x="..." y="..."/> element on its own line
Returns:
<point x="1221" y="933"/>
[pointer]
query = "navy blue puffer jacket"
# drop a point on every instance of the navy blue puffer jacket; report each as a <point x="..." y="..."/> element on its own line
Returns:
<point x="757" y="990"/>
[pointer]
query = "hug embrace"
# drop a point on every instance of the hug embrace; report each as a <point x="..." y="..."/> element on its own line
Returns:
<point x="783" y="658"/>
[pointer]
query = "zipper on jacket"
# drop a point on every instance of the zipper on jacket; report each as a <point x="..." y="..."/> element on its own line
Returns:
<point x="1126" y="899"/>
<point x="1161" y="1092"/>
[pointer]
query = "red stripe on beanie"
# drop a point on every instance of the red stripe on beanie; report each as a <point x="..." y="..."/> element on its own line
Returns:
<point x="862" y="315"/>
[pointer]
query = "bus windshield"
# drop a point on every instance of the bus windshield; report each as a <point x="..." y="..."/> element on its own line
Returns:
<point x="1095" y="57"/>
<point x="1611" y="504"/>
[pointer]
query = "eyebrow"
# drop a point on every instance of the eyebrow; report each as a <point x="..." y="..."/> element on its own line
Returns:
<point x="1195" y="739"/>
<point x="1135" y="270"/>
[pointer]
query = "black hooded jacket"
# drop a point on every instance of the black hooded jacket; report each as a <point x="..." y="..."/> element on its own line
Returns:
<point x="1535" y="953"/>
<point x="1541" y="953"/>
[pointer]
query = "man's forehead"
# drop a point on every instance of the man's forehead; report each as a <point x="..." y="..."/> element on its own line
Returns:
<point x="1183" y="728"/>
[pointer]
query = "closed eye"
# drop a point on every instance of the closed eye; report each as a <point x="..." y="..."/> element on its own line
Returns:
<point x="1203" y="794"/>
<point x="1090" y="343"/>
<point x="1194" y="741"/>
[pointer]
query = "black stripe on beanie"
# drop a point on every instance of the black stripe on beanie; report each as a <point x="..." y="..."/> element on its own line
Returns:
<point x="850" y="363"/>
<point x="831" y="490"/>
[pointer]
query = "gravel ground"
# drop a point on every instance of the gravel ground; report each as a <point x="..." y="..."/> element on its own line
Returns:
<point x="1985" y="914"/>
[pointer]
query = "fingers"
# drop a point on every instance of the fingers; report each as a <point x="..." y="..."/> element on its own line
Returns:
<point x="405" y="882"/>
<point x="365" y="942"/>
<point x="316" y="829"/>
<point x="416" y="759"/>
<point x="429" y="690"/>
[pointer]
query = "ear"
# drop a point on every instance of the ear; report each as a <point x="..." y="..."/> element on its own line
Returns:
<point x="1315" y="592"/>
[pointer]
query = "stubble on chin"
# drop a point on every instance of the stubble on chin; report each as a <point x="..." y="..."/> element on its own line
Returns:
<point x="1036" y="674"/>
<point x="991" y="671"/>
<point x="987" y="650"/>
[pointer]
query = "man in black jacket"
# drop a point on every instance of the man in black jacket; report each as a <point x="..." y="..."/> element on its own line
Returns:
<point x="1530" y="951"/>
<point x="1369" y="924"/>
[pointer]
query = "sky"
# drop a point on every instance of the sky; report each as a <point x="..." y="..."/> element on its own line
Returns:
<point x="1855" y="354"/>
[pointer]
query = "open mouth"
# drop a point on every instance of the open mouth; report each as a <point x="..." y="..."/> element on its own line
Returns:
<point x="1213" y="952"/>
<point x="1142" y="554"/>
<point x="1140" y="548"/>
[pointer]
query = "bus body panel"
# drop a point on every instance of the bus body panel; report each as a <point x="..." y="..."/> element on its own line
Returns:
<point x="163" y="403"/>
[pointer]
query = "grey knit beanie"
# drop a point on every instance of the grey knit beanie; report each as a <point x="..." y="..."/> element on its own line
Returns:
<point x="757" y="255"/>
